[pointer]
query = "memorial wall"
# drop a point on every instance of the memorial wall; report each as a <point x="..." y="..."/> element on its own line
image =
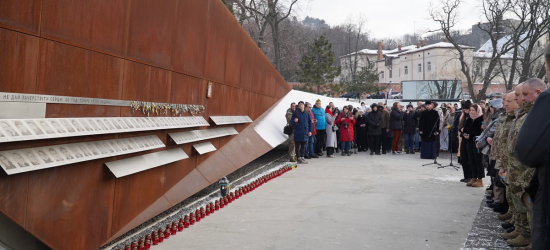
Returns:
<point x="94" y="93"/>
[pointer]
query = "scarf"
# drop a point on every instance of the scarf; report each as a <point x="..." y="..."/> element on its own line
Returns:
<point x="479" y="113"/>
<point x="327" y="111"/>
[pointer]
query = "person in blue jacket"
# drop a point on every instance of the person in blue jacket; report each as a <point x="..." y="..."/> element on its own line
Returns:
<point x="302" y="123"/>
<point x="320" y="126"/>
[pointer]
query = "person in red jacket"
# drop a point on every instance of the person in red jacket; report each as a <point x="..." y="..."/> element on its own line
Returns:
<point x="345" y="122"/>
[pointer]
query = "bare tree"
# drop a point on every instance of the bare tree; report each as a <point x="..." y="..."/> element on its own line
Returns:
<point x="446" y="14"/>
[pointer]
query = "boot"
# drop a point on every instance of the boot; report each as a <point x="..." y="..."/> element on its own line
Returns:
<point x="478" y="183"/>
<point x="507" y="225"/>
<point x="469" y="184"/>
<point x="524" y="248"/>
<point x="293" y="159"/>
<point x="520" y="241"/>
<point x="509" y="236"/>
<point x="348" y="153"/>
<point x="343" y="153"/>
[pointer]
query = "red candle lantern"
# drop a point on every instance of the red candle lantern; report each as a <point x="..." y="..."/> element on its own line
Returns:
<point x="192" y="218"/>
<point x="212" y="208"/>
<point x="174" y="229"/>
<point x="207" y="211"/>
<point x="186" y="223"/>
<point x="127" y="247"/>
<point x="225" y="201"/>
<point x="135" y="248"/>
<point x="161" y="235"/>
<point x="180" y="226"/>
<point x="221" y="203"/>
<point x="203" y="214"/>
<point x="141" y="246"/>
<point x="155" y="240"/>
<point x="147" y="244"/>
<point x="167" y="233"/>
<point x="197" y="216"/>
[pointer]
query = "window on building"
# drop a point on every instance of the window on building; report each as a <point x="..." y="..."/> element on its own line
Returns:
<point x="399" y="72"/>
<point x="381" y="74"/>
<point x="429" y="66"/>
<point x="391" y="73"/>
<point x="419" y="68"/>
<point x="406" y="70"/>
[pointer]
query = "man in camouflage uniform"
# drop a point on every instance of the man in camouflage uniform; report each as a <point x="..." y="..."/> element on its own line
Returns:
<point x="499" y="143"/>
<point x="291" y="145"/>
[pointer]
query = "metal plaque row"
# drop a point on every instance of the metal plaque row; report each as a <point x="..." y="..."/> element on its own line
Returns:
<point x="34" y="129"/>
<point x="144" y="162"/>
<point x="203" y="134"/>
<point x="222" y="120"/>
<point x="31" y="159"/>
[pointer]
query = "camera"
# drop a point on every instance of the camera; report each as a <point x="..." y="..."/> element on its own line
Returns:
<point x="345" y="124"/>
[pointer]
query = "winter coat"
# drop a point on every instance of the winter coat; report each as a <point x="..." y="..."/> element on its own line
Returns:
<point x="374" y="120"/>
<point x="313" y="130"/>
<point x="361" y="120"/>
<point x="532" y="149"/>
<point x="411" y="123"/>
<point x="302" y="127"/>
<point x="319" y="114"/>
<point x="396" y="119"/>
<point x="288" y="115"/>
<point x="429" y="125"/>
<point x="473" y="127"/>
<point x="331" y="135"/>
<point x="345" y="134"/>
<point x="385" y="117"/>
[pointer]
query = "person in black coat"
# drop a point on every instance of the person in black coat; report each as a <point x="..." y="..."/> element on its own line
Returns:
<point x="429" y="129"/>
<point x="410" y="127"/>
<point x="472" y="129"/>
<point x="361" y="131"/>
<point x="374" y="119"/>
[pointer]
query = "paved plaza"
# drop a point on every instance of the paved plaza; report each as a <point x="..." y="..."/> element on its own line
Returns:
<point x="356" y="202"/>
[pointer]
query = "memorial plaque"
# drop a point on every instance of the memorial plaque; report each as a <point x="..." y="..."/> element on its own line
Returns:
<point x="66" y="124"/>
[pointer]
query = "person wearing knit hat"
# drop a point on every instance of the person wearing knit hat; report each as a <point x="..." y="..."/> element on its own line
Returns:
<point x="320" y="127"/>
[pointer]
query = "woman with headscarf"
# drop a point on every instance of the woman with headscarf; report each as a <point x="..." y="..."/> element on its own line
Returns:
<point x="331" y="132"/>
<point x="472" y="129"/>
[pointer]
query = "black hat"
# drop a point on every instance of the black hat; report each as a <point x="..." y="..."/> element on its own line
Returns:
<point x="423" y="105"/>
<point x="467" y="104"/>
<point x="428" y="102"/>
<point x="302" y="102"/>
<point x="410" y="105"/>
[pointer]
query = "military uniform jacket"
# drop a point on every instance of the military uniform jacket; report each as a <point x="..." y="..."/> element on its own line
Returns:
<point x="518" y="173"/>
<point x="500" y="137"/>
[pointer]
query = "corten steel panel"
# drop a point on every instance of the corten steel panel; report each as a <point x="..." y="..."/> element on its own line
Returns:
<point x="227" y="101"/>
<point x="247" y="141"/>
<point x="189" y="185"/>
<point x="176" y="171"/>
<point x="69" y="71"/>
<point x="97" y="25"/>
<point x="247" y="64"/>
<point x="244" y="103"/>
<point x="18" y="62"/>
<point x="157" y="207"/>
<point x="216" y="42"/>
<point x="21" y="15"/>
<point x="257" y="79"/>
<point x="75" y="110"/>
<point x="189" y="46"/>
<point x="216" y="167"/>
<point x="151" y="30"/>
<point x="134" y="193"/>
<point x="145" y="83"/>
<point x="70" y="207"/>
<point x="272" y="84"/>
<point x="217" y="100"/>
<point x="234" y="99"/>
<point x="188" y="90"/>
<point x="234" y="53"/>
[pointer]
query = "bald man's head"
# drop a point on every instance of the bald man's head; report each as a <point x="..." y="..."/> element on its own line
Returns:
<point x="510" y="103"/>
<point x="531" y="90"/>
<point x="517" y="93"/>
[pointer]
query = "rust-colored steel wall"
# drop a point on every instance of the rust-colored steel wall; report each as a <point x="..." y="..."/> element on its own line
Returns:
<point x="156" y="51"/>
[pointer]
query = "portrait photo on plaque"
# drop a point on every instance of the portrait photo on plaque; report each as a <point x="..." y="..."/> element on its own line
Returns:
<point x="65" y="153"/>
<point x="145" y="142"/>
<point x="56" y="155"/>
<point x="120" y="144"/>
<point x="164" y="122"/>
<point x="101" y="124"/>
<point x="34" y="159"/>
<point x="67" y="126"/>
<point x="154" y="122"/>
<point x="76" y="125"/>
<point x="9" y="129"/>
<point x="135" y="141"/>
<point x="93" y="149"/>
<point x="148" y="140"/>
<point x="135" y="124"/>
<point x="106" y="145"/>
<point x="56" y="125"/>
<point x="21" y="128"/>
<point x="78" y="154"/>
<point x="44" y="155"/>
<point x="126" y="123"/>
<point x="94" y="124"/>
<point x="6" y="162"/>
<point x="86" y="126"/>
<point x="102" y="150"/>
<point x="109" y="124"/>
<point x="144" y="123"/>
<point x="113" y="145"/>
<point x="19" y="160"/>
<point x="116" y="124"/>
<point x="84" y="149"/>
<point x="129" y="145"/>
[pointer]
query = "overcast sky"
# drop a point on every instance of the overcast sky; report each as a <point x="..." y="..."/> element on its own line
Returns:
<point x="385" y="18"/>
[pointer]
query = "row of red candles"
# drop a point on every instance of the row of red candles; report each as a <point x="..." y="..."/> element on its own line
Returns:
<point x="157" y="237"/>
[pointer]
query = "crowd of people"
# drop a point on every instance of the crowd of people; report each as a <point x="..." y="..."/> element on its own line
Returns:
<point x="507" y="139"/>
<point x="379" y="128"/>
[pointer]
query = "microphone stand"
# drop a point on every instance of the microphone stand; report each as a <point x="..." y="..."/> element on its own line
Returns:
<point x="435" y="159"/>
<point x="450" y="150"/>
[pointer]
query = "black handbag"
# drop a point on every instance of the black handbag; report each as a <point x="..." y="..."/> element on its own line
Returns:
<point x="288" y="129"/>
